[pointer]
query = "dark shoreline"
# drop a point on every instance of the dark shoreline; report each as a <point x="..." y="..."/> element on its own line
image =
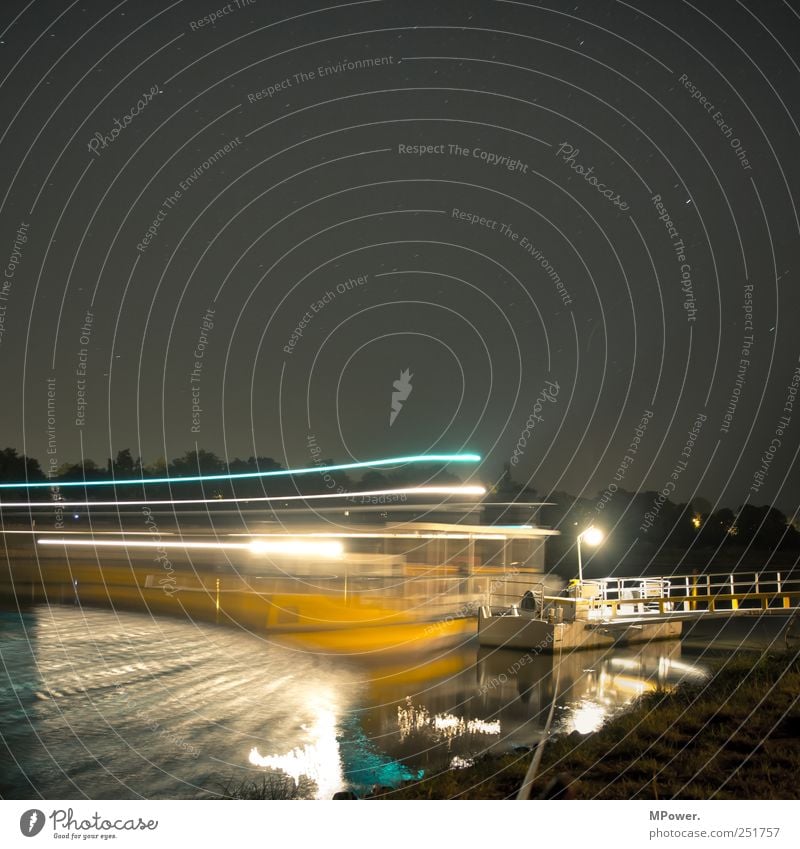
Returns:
<point x="734" y="737"/>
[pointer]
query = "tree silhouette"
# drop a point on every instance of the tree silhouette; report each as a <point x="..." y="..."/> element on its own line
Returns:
<point x="196" y="462"/>
<point x="14" y="466"/>
<point x="125" y="466"/>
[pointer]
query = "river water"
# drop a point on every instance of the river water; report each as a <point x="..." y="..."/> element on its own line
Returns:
<point x="100" y="704"/>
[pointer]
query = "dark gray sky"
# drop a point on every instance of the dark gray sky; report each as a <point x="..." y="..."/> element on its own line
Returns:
<point x="585" y="286"/>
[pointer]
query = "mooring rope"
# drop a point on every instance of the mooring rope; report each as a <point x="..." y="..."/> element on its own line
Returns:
<point x="530" y="775"/>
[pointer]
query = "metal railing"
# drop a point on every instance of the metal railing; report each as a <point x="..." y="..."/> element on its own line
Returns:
<point x="702" y="591"/>
<point x="611" y="597"/>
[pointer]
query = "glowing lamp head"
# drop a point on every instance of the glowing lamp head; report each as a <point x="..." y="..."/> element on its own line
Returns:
<point x="592" y="536"/>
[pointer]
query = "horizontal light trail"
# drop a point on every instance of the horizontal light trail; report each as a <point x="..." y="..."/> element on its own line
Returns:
<point x="34" y="532"/>
<point x="265" y="538"/>
<point x="366" y="464"/>
<point x="257" y="546"/>
<point x="416" y="490"/>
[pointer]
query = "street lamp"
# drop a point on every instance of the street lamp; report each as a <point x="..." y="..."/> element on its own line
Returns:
<point x="592" y="536"/>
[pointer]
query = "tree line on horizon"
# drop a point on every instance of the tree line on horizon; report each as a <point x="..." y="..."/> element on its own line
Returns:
<point x="695" y="524"/>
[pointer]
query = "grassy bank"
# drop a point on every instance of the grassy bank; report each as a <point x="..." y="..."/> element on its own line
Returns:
<point x="735" y="737"/>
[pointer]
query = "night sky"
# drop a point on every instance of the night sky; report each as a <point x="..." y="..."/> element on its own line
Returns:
<point x="563" y="219"/>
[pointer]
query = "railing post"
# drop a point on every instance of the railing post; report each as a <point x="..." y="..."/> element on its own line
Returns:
<point x="734" y="601"/>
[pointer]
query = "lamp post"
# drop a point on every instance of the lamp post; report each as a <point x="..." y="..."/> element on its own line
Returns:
<point x="592" y="536"/>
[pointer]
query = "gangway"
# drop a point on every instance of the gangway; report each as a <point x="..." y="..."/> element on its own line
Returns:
<point x="607" y="611"/>
<point x="698" y="592"/>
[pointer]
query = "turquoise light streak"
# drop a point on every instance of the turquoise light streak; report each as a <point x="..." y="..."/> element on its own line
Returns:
<point x="367" y="464"/>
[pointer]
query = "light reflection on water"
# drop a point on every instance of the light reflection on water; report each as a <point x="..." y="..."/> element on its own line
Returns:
<point x="498" y="700"/>
<point x="99" y="704"/>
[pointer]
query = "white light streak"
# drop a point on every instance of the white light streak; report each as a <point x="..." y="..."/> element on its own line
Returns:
<point x="322" y="549"/>
<point x="287" y="546"/>
<point x="171" y="502"/>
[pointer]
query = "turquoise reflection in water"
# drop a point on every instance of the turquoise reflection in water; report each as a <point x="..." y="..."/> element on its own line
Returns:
<point x="364" y="765"/>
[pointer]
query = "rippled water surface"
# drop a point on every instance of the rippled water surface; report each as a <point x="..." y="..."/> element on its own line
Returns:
<point x="100" y="704"/>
